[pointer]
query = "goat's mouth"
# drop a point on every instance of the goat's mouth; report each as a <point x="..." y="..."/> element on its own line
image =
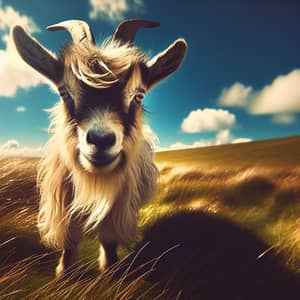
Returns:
<point x="100" y="162"/>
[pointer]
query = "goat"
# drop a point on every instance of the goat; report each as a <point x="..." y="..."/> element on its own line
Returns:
<point x="97" y="169"/>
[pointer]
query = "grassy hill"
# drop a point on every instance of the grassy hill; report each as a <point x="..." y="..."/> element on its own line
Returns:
<point x="282" y="152"/>
<point x="224" y="224"/>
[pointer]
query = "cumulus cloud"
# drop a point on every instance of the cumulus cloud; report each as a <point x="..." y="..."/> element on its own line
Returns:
<point x="113" y="10"/>
<point x="237" y="95"/>
<point x="208" y="119"/>
<point x="280" y="98"/>
<point x="241" y="140"/>
<point x="14" y="72"/>
<point x="222" y="137"/>
<point x="21" y="109"/>
<point x="9" y="17"/>
<point x="13" y="148"/>
<point x="179" y="145"/>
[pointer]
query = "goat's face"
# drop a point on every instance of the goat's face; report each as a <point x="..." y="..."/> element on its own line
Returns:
<point x="106" y="118"/>
<point x="102" y="88"/>
<point x="101" y="126"/>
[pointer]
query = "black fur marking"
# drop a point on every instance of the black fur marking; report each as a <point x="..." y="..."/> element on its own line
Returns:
<point x="110" y="98"/>
<point x="135" y="105"/>
<point x="67" y="99"/>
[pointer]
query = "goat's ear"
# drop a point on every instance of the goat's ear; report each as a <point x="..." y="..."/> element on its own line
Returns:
<point x="166" y="62"/>
<point x="37" y="56"/>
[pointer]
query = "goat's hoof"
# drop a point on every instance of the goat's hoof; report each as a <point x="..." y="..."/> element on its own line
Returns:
<point x="59" y="271"/>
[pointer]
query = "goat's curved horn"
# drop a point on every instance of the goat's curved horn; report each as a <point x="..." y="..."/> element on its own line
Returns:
<point x="80" y="31"/>
<point x="127" y="30"/>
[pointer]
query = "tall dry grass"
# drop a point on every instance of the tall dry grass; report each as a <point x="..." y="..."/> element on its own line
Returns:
<point x="263" y="199"/>
<point x="196" y="233"/>
<point x="27" y="267"/>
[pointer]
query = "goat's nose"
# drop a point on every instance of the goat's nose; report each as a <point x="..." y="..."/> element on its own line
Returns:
<point x="101" y="139"/>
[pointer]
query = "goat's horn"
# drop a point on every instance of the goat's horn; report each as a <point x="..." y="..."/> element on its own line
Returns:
<point x="127" y="30"/>
<point x="79" y="30"/>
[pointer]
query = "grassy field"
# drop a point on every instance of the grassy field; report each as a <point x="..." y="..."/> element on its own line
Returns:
<point x="282" y="152"/>
<point x="224" y="224"/>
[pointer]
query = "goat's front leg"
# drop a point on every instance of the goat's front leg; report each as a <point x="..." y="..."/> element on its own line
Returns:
<point x="108" y="255"/>
<point x="108" y="247"/>
<point x="69" y="254"/>
<point x="66" y="261"/>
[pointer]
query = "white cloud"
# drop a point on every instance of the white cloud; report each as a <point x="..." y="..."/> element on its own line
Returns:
<point x="284" y="119"/>
<point x="241" y="140"/>
<point x="237" y="95"/>
<point x="208" y="119"/>
<point x="14" y="72"/>
<point x="280" y="98"/>
<point x="21" y="109"/>
<point x="10" y="17"/>
<point x="222" y="137"/>
<point x="114" y="10"/>
<point x="13" y="148"/>
<point x="179" y="145"/>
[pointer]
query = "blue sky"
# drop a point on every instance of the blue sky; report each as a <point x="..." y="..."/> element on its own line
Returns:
<point x="240" y="80"/>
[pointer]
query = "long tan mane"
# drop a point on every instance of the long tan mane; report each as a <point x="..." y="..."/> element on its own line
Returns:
<point x="67" y="190"/>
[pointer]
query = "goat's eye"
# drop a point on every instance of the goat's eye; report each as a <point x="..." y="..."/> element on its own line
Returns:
<point x="139" y="96"/>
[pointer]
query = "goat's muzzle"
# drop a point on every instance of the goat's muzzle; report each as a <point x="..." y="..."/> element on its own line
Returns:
<point x="101" y="152"/>
<point x="101" y="139"/>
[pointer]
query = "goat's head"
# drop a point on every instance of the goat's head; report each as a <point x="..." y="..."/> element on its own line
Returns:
<point x="102" y="88"/>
